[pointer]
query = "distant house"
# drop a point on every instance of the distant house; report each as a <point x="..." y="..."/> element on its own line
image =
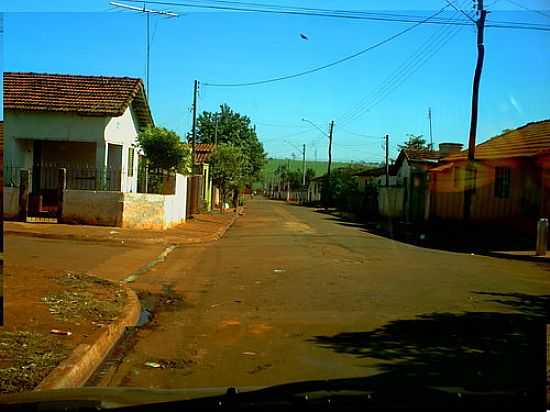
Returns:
<point x="86" y="124"/>
<point x="314" y="189"/>
<point x="209" y="194"/>
<point x="375" y="177"/>
<point x="512" y="172"/>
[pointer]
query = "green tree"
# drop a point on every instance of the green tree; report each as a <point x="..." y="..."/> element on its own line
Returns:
<point x="229" y="127"/>
<point x="164" y="150"/>
<point x="227" y="167"/>
<point x="310" y="174"/>
<point x="415" y="142"/>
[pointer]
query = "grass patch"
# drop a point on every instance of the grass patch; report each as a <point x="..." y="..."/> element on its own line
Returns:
<point x="26" y="358"/>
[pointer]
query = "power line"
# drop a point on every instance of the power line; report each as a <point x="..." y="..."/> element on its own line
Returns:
<point x="326" y="66"/>
<point x="346" y="14"/>
<point x="527" y="8"/>
<point x="405" y="70"/>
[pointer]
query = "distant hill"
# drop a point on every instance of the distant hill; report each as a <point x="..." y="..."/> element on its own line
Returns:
<point x="320" y="167"/>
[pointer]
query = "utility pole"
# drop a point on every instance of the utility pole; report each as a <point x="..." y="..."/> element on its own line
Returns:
<point x="387" y="137"/>
<point x="330" y="147"/>
<point x="304" y="166"/>
<point x="216" y="132"/>
<point x="194" y="129"/>
<point x="287" y="179"/>
<point x="430" y="119"/>
<point x="148" y="64"/>
<point x="470" y="170"/>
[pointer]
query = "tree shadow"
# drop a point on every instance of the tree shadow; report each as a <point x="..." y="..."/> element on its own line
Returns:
<point x="477" y="351"/>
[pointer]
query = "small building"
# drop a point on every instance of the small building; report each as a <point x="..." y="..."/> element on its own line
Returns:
<point x="508" y="181"/>
<point x="314" y="189"/>
<point x="208" y="192"/>
<point x="86" y="124"/>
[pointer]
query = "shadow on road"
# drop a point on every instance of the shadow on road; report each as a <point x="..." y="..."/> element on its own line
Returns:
<point x="476" y="238"/>
<point x="475" y="350"/>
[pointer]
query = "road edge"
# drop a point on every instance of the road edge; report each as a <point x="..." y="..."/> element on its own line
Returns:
<point x="128" y="241"/>
<point x="76" y="369"/>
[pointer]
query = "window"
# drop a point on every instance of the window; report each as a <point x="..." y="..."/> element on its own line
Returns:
<point x="131" y="162"/>
<point x="502" y="182"/>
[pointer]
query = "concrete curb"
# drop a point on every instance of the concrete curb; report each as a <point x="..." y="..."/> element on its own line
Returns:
<point x="525" y="258"/>
<point x="84" y="360"/>
<point x="126" y="241"/>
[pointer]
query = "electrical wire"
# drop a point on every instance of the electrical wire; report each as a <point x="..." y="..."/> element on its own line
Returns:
<point x="348" y="14"/>
<point x="392" y="81"/>
<point x="527" y="8"/>
<point x="326" y="66"/>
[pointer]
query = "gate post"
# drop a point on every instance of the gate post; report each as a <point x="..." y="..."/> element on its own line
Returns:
<point x="24" y="184"/>
<point x="61" y="187"/>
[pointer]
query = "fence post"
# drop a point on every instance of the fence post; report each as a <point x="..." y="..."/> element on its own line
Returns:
<point x="61" y="187"/>
<point x="542" y="236"/>
<point x="24" y="184"/>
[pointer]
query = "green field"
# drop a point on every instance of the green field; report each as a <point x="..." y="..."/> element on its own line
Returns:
<point x="320" y="167"/>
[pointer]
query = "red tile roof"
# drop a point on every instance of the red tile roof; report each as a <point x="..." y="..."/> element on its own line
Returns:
<point x="422" y="155"/>
<point x="525" y="141"/>
<point x="84" y="95"/>
<point x="203" y="152"/>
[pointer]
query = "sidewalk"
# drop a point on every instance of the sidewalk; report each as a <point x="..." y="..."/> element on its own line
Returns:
<point x="201" y="228"/>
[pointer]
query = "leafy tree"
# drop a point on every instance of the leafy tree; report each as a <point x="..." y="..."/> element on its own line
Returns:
<point x="415" y="142"/>
<point x="227" y="126"/>
<point x="227" y="167"/>
<point x="164" y="150"/>
<point x="310" y="174"/>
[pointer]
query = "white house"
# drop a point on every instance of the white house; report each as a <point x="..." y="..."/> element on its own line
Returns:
<point x="86" y="124"/>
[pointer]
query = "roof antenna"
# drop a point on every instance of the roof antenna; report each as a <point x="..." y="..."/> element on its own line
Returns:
<point x="148" y="13"/>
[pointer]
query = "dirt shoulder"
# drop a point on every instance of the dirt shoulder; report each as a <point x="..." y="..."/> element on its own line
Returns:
<point x="48" y="314"/>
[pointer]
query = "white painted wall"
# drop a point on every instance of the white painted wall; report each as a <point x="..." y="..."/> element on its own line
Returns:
<point x="123" y="130"/>
<point x="175" y="206"/>
<point x="11" y="202"/>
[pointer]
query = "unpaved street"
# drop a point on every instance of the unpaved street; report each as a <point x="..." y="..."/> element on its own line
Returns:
<point x="292" y="294"/>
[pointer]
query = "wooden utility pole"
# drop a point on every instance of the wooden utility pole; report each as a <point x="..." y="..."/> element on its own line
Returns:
<point x="216" y="132"/>
<point x="470" y="169"/>
<point x="387" y="138"/>
<point x="430" y="120"/>
<point x="330" y="147"/>
<point x="304" y="166"/>
<point x="194" y="129"/>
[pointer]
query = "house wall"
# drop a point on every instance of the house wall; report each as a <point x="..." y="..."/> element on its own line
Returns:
<point x="390" y="201"/>
<point x="21" y="128"/>
<point x="123" y="130"/>
<point x="447" y="195"/>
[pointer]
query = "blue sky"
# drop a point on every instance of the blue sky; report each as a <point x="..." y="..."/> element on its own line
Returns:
<point x="67" y="37"/>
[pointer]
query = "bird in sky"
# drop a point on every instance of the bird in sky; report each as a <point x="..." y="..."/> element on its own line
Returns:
<point x="303" y="36"/>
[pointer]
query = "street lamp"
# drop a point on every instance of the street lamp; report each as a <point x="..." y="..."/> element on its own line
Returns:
<point x="314" y="125"/>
